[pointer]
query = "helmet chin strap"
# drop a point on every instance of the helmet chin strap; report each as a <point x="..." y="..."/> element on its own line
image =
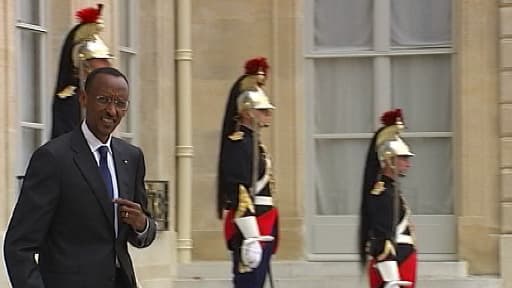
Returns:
<point x="388" y="164"/>
<point x="256" y="152"/>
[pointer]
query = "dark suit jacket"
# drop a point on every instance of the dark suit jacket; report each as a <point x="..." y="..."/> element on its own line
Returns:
<point x="65" y="214"/>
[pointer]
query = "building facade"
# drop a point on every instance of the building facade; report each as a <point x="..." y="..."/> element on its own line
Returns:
<point x="335" y="66"/>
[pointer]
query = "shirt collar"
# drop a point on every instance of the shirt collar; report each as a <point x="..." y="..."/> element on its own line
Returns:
<point x="93" y="142"/>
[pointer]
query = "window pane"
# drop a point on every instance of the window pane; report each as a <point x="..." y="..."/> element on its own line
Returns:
<point x="29" y="85"/>
<point x="343" y="24"/>
<point x="339" y="175"/>
<point x="427" y="187"/>
<point x="421" y="85"/>
<point x="421" y="22"/>
<point x="125" y="62"/>
<point x="343" y="101"/>
<point x="124" y="27"/>
<point x="30" y="140"/>
<point x="29" y="12"/>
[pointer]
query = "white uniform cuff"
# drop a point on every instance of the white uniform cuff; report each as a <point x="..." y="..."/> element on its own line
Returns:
<point x="388" y="270"/>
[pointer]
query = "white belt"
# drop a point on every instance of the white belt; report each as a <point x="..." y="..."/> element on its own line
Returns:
<point x="400" y="228"/>
<point x="404" y="239"/>
<point x="260" y="184"/>
<point x="263" y="200"/>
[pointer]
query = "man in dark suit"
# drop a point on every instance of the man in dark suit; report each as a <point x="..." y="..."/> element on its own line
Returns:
<point x="82" y="200"/>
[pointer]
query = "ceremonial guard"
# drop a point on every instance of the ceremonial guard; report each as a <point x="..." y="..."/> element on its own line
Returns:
<point x="385" y="231"/>
<point x="245" y="180"/>
<point x="82" y="52"/>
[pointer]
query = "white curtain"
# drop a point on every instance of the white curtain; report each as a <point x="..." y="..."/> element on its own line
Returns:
<point x="338" y="175"/>
<point x="421" y="22"/>
<point x="343" y="24"/>
<point x="348" y="24"/>
<point x="28" y="11"/>
<point x="343" y="104"/>
<point x="30" y="86"/>
<point x="343" y="95"/>
<point x="29" y="91"/>
<point x="421" y="85"/>
<point x="428" y="183"/>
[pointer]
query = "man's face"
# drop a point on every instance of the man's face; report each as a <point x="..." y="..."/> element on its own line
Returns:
<point x="402" y="164"/>
<point x="263" y="117"/>
<point x="261" y="78"/>
<point x="103" y="118"/>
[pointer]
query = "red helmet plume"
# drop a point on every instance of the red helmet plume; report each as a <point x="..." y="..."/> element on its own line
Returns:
<point x="89" y="15"/>
<point x="391" y="117"/>
<point x="256" y="66"/>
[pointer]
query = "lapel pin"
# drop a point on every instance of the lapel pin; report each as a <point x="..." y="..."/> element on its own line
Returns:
<point x="125" y="161"/>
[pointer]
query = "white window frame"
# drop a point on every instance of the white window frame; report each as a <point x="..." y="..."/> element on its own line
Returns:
<point x="382" y="54"/>
<point x="130" y="52"/>
<point x="44" y="104"/>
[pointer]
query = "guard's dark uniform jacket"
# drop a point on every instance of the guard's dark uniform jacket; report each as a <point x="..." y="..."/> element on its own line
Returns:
<point x="236" y="181"/>
<point x="66" y="111"/>
<point x="390" y="239"/>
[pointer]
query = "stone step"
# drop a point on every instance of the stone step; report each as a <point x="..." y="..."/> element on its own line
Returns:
<point x="156" y="283"/>
<point x="292" y="269"/>
<point x="302" y="274"/>
<point x="348" y="282"/>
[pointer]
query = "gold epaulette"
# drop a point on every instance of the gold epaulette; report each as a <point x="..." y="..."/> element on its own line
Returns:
<point x="236" y="136"/>
<point x="389" y="249"/>
<point x="66" y="92"/>
<point x="378" y="188"/>
<point x="244" y="202"/>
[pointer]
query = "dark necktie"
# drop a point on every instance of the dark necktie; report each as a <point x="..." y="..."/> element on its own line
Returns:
<point x="105" y="173"/>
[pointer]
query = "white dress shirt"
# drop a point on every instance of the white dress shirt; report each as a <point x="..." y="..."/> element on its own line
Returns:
<point x="94" y="143"/>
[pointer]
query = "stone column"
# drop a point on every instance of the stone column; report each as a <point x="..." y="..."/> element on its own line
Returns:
<point x="155" y="265"/>
<point x="8" y="106"/>
<point x="505" y="124"/>
<point x="476" y="146"/>
<point x="184" y="148"/>
<point x="288" y="126"/>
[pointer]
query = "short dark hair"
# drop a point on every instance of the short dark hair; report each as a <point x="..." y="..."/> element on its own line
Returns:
<point x="103" y="70"/>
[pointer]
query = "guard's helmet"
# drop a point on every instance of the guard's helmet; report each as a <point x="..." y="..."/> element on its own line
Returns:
<point x="388" y="141"/>
<point x="253" y="99"/>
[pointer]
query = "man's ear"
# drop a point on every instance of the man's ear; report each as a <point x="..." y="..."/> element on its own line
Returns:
<point x="250" y="113"/>
<point x="82" y="98"/>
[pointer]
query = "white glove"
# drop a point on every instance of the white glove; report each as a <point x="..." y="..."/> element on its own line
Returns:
<point x="398" y="284"/>
<point x="251" y="251"/>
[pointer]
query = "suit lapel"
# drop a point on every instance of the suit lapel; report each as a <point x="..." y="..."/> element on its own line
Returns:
<point x="85" y="161"/>
<point x="122" y="165"/>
